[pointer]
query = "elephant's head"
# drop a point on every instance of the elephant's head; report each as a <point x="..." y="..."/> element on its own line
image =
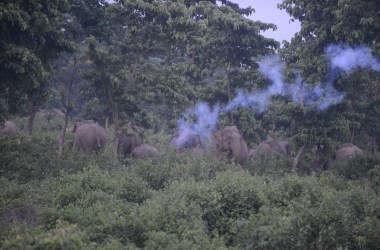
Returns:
<point x="287" y="147"/>
<point x="272" y="146"/>
<point x="229" y="140"/>
<point x="128" y="142"/>
<point x="82" y="123"/>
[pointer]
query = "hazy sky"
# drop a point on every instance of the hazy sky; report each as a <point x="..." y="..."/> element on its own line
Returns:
<point x="267" y="12"/>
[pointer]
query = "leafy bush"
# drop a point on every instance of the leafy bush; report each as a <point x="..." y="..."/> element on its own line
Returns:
<point x="206" y="210"/>
<point x="162" y="171"/>
<point x="307" y="213"/>
<point x="357" y="167"/>
<point x="270" y="165"/>
<point x="64" y="236"/>
<point x="37" y="159"/>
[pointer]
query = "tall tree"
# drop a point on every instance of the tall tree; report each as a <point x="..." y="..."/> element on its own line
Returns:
<point x="348" y="22"/>
<point x="85" y="18"/>
<point x="31" y="37"/>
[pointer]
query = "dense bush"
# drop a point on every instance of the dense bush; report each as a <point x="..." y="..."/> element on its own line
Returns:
<point x="37" y="158"/>
<point x="314" y="213"/>
<point x="357" y="167"/>
<point x="85" y="202"/>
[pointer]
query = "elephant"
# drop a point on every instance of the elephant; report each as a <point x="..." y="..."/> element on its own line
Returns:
<point x="128" y="142"/>
<point x="187" y="142"/>
<point x="347" y="151"/>
<point x="145" y="150"/>
<point x="230" y="140"/>
<point x="89" y="136"/>
<point x="272" y="146"/>
<point x="9" y="128"/>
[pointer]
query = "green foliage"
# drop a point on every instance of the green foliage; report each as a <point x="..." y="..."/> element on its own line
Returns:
<point x="31" y="38"/>
<point x="25" y="160"/>
<point x="148" y="62"/>
<point x="270" y="165"/>
<point x="64" y="236"/>
<point x="168" y="168"/>
<point x="311" y="213"/>
<point x="358" y="167"/>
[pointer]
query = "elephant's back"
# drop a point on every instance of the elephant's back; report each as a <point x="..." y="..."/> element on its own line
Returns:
<point x="145" y="150"/>
<point x="10" y="128"/>
<point x="90" y="136"/>
<point x="347" y="151"/>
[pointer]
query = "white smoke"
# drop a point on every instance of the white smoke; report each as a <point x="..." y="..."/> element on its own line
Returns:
<point x="347" y="59"/>
<point x="201" y="120"/>
<point x="320" y="96"/>
<point x="271" y="67"/>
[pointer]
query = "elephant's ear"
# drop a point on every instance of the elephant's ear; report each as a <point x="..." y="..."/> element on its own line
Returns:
<point x="217" y="137"/>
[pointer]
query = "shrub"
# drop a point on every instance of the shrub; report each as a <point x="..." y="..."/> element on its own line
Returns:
<point x="160" y="172"/>
<point x="37" y="159"/>
<point x="64" y="236"/>
<point x="357" y="167"/>
<point x="308" y="213"/>
<point x="188" y="211"/>
<point x="270" y="165"/>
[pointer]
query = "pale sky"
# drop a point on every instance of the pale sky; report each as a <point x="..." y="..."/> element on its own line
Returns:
<point x="267" y="12"/>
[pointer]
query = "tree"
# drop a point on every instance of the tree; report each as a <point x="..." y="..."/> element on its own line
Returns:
<point x="84" y="19"/>
<point x="323" y="23"/>
<point x="31" y="37"/>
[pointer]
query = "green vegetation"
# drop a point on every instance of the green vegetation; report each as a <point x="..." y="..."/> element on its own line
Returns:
<point x="140" y="66"/>
<point x="87" y="202"/>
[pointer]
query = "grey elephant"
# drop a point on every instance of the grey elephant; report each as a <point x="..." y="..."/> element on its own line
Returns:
<point x="272" y="146"/>
<point x="229" y="140"/>
<point x="9" y="128"/>
<point x="188" y="141"/>
<point x="128" y="142"/>
<point x="89" y="136"/>
<point x="347" y="151"/>
<point x="145" y="150"/>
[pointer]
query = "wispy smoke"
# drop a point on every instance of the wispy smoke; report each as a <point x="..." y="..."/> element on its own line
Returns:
<point x="270" y="67"/>
<point x="201" y="120"/>
<point x="321" y="96"/>
<point x="347" y="59"/>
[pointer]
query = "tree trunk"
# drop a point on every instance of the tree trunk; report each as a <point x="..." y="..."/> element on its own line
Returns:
<point x="66" y="105"/>
<point x="107" y="122"/>
<point x="298" y="158"/>
<point x="352" y="135"/>
<point x="32" y="114"/>
<point x="115" y="113"/>
<point x="62" y="136"/>
<point x="227" y="69"/>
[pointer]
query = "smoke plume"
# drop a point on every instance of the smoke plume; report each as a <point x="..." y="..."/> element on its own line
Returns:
<point x="343" y="59"/>
<point x="201" y="120"/>
<point x="347" y="59"/>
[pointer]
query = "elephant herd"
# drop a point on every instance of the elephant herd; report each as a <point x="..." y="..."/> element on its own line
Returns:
<point x="90" y="137"/>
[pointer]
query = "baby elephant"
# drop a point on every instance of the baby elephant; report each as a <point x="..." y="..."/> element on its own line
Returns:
<point x="89" y="136"/>
<point x="9" y="128"/>
<point x="145" y="150"/>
